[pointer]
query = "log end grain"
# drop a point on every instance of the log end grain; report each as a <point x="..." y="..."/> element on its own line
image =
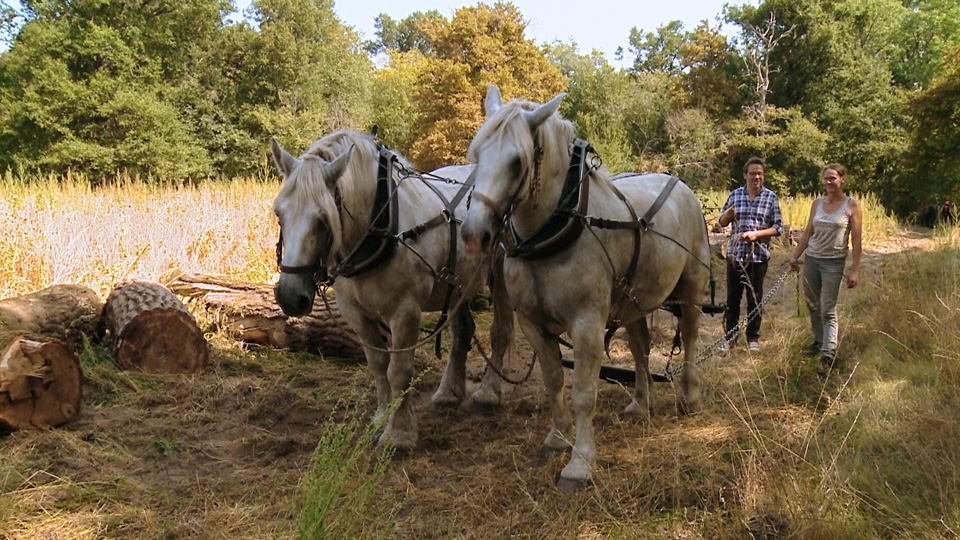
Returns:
<point x="162" y="340"/>
<point x="40" y="384"/>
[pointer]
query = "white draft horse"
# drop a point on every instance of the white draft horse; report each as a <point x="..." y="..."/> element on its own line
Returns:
<point x="325" y="208"/>
<point x="522" y="153"/>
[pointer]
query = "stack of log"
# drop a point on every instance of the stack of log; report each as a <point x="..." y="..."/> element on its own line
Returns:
<point x="150" y="329"/>
<point x="40" y="335"/>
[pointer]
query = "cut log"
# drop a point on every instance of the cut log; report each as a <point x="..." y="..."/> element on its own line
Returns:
<point x="60" y="312"/>
<point x="40" y="384"/>
<point x="249" y="313"/>
<point x="153" y="331"/>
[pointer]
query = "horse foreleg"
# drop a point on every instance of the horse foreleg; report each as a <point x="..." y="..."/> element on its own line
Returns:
<point x="547" y="349"/>
<point x="401" y="429"/>
<point x="453" y="383"/>
<point x="638" y="339"/>
<point x="501" y="338"/>
<point x="377" y="361"/>
<point x="587" y="334"/>
<point x="690" y="379"/>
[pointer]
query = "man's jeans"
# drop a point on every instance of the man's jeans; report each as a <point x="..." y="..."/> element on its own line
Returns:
<point x="744" y="277"/>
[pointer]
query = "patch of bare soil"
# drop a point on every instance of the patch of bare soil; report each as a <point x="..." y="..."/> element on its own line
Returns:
<point x="220" y="454"/>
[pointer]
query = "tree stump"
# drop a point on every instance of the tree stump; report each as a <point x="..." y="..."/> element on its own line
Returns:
<point x="249" y="313"/>
<point x="40" y="384"/>
<point x="152" y="330"/>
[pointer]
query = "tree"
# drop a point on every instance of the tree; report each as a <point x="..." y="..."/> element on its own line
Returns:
<point x="659" y="52"/>
<point x="306" y="72"/>
<point x="713" y="76"/>
<point x="403" y="36"/>
<point x="933" y="160"/>
<point x="925" y="35"/>
<point x="392" y="105"/>
<point x="86" y="85"/>
<point x="480" y="45"/>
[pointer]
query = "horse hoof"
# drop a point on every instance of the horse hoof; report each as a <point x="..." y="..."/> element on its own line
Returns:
<point x="481" y="407"/>
<point x="571" y="485"/>
<point x="547" y="452"/>
<point x="689" y="408"/>
<point x="444" y="404"/>
<point x="485" y="400"/>
<point x="445" y="400"/>
<point x="637" y="413"/>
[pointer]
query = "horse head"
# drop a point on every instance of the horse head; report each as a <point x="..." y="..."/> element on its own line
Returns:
<point x="310" y="223"/>
<point x="509" y="152"/>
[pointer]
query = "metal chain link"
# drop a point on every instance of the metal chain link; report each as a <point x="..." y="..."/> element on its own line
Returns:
<point x="715" y="347"/>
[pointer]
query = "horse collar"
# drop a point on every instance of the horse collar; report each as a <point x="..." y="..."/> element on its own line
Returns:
<point x="380" y="241"/>
<point x="564" y="225"/>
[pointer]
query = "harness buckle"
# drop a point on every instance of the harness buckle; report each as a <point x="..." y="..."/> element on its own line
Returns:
<point x="453" y="279"/>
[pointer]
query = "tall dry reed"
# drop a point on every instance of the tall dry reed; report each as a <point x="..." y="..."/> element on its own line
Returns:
<point x="69" y="232"/>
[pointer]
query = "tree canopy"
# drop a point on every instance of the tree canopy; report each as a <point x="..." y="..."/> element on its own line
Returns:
<point x="182" y="90"/>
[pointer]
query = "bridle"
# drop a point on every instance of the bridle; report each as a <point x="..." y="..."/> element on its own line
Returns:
<point x="318" y="271"/>
<point x="532" y="181"/>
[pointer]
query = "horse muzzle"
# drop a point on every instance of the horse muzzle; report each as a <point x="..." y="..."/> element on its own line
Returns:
<point x="295" y="294"/>
<point x="477" y="237"/>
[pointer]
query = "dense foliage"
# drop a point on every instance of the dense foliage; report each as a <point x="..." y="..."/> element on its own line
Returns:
<point x="185" y="90"/>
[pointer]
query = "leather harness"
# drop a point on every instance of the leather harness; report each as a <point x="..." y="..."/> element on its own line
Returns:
<point x="379" y="243"/>
<point x="567" y="221"/>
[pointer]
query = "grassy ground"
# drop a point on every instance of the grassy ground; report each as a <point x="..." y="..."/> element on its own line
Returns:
<point x="868" y="452"/>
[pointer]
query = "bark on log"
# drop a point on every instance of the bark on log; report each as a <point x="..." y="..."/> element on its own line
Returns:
<point x="250" y="314"/>
<point x="40" y="384"/>
<point x="61" y="312"/>
<point x="153" y="331"/>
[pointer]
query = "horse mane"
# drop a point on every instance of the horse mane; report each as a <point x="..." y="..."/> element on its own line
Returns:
<point x="309" y="186"/>
<point x="553" y="136"/>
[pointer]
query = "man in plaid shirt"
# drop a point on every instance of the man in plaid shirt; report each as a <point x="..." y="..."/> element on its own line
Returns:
<point x="755" y="213"/>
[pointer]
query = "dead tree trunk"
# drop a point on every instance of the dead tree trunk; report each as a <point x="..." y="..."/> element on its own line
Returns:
<point x="250" y="314"/>
<point x="153" y="331"/>
<point x="40" y="377"/>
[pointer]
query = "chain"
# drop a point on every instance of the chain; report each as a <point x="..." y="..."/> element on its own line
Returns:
<point x="407" y="171"/>
<point x="533" y="360"/>
<point x="713" y="348"/>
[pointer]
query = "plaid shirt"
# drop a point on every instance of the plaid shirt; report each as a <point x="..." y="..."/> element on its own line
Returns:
<point x="761" y="213"/>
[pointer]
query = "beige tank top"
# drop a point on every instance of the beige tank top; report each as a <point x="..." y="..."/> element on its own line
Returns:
<point x="831" y="232"/>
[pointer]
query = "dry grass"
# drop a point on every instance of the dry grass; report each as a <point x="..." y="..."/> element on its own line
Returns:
<point x="68" y="232"/>
<point x="778" y="452"/>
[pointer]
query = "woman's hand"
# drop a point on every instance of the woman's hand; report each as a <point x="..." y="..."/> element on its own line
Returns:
<point x="794" y="264"/>
<point x="853" y="277"/>
<point x="750" y="235"/>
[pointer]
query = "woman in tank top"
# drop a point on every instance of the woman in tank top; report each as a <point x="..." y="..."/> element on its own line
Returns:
<point x="834" y="223"/>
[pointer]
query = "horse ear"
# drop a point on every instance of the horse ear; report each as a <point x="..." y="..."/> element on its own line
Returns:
<point x="539" y="115"/>
<point x="333" y="170"/>
<point x="282" y="159"/>
<point x="494" y="100"/>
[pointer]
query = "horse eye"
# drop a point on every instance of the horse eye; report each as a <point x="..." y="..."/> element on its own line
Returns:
<point x="516" y="166"/>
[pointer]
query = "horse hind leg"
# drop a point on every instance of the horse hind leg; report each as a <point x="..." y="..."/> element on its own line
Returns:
<point x="690" y="401"/>
<point x="638" y="339"/>
<point x="452" y="387"/>
<point x="501" y="338"/>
